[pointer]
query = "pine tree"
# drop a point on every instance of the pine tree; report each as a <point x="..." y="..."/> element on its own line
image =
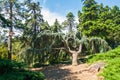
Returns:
<point x="89" y="16"/>
<point x="33" y="27"/>
<point x="56" y="26"/>
<point x="10" y="10"/>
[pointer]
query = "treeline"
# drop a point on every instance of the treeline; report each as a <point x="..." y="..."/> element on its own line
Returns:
<point x="101" y="21"/>
<point x="98" y="31"/>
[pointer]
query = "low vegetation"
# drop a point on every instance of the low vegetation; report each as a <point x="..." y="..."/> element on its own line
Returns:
<point x="112" y="58"/>
<point x="12" y="70"/>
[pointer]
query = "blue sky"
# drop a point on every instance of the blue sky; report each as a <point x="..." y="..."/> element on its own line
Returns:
<point x="52" y="9"/>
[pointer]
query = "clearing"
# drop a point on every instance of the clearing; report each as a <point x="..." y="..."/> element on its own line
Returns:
<point x="69" y="72"/>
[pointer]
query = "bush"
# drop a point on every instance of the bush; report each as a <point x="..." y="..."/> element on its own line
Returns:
<point x="3" y="51"/>
<point x="12" y="70"/>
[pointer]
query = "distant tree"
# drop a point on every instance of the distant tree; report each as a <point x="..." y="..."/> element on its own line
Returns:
<point x="88" y="17"/>
<point x="33" y="19"/>
<point x="106" y="26"/>
<point x="115" y="11"/>
<point x="44" y="26"/>
<point x="56" y="27"/>
<point x="69" y="23"/>
<point x="10" y="11"/>
<point x="79" y="17"/>
<point x="98" y="21"/>
<point x="33" y="25"/>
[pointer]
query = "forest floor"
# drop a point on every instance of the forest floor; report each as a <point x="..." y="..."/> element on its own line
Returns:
<point x="69" y="72"/>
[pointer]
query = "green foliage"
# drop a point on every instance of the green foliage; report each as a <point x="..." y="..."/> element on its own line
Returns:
<point x="7" y="66"/>
<point x="11" y="70"/>
<point x="4" y="21"/>
<point x="99" y="21"/>
<point x="56" y="26"/>
<point x="30" y="41"/>
<point x="112" y="58"/>
<point x="69" y="22"/>
<point x="98" y="45"/>
<point x="44" y="52"/>
<point x="112" y="70"/>
<point x="39" y="38"/>
<point x="105" y="56"/>
<point x="3" y="51"/>
<point x="16" y="49"/>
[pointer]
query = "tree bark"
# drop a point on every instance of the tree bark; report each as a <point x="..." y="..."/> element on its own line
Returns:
<point x="34" y="27"/>
<point x="9" y="47"/>
<point x="74" y="59"/>
<point x="74" y="53"/>
<point x="10" y="33"/>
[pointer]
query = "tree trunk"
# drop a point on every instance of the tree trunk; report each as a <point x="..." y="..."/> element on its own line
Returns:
<point x="74" y="59"/>
<point x="35" y="32"/>
<point x="34" y="27"/>
<point x="9" y="47"/>
<point x="74" y="53"/>
<point x="10" y="33"/>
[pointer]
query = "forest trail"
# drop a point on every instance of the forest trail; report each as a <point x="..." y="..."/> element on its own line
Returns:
<point x="69" y="72"/>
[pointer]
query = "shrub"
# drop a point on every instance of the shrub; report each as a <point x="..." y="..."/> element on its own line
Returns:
<point x="12" y="70"/>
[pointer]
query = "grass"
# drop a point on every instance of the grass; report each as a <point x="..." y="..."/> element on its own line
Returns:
<point x="112" y="58"/>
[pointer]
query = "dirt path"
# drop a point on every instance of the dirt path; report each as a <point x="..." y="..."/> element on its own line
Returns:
<point x="68" y="72"/>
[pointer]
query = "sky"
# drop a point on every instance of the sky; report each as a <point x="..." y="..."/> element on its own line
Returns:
<point x="52" y="9"/>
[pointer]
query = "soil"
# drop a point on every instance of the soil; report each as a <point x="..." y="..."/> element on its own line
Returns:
<point x="69" y="72"/>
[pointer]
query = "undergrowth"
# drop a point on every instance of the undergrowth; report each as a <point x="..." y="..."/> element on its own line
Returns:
<point x="12" y="70"/>
<point x="112" y="68"/>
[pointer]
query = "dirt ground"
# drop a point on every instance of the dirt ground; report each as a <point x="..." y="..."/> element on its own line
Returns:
<point x="69" y="72"/>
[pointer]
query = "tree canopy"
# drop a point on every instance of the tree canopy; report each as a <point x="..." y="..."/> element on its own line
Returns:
<point x="97" y="30"/>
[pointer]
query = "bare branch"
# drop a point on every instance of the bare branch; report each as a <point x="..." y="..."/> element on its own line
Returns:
<point x="80" y="49"/>
<point x="59" y="48"/>
<point x="66" y="45"/>
<point x="62" y="48"/>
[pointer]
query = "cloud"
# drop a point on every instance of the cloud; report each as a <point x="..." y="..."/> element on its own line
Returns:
<point x="44" y="2"/>
<point x="51" y="16"/>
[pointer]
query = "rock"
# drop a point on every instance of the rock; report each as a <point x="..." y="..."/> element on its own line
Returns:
<point x="96" y="67"/>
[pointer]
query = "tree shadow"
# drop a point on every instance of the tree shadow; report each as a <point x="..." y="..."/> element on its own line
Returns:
<point x="56" y="73"/>
<point x="82" y="60"/>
